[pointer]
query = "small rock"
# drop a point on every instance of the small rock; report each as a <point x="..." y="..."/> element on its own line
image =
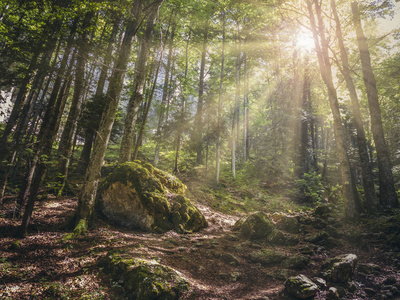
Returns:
<point x="320" y="282"/>
<point x="301" y="287"/>
<point x="333" y="294"/>
<point x="340" y="268"/>
<point x="254" y="226"/>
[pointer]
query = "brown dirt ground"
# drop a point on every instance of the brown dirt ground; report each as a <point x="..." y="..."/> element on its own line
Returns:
<point x="45" y="267"/>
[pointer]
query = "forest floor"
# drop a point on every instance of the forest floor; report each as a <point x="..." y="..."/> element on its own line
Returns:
<point x="215" y="260"/>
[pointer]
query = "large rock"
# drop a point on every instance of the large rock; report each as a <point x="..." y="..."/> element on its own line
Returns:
<point x="340" y="269"/>
<point x="137" y="195"/>
<point x="144" y="279"/>
<point x="254" y="226"/>
<point x="301" y="287"/>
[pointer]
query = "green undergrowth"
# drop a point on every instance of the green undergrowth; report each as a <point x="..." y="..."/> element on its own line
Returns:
<point x="238" y="195"/>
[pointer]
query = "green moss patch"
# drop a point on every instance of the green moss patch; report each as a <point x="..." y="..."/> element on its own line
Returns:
<point x="144" y="279"/>
<point x="140" y="196"/>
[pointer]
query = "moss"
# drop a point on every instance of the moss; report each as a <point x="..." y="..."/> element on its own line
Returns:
<point x="254" y="226"/>
<point x="150" y="186"/>
<point x="144" y="279"/>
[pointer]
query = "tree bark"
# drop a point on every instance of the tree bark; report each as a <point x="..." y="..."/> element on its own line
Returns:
<point x="198" y="119"/>
<point x="164" y="101"/>
<point x="66" y="142"/>
<point x="220" y="92"/>
<point x="371" y="200"/>
<point x="136" y="99"/>
<point x="350" y="195"/>
<point x="87" y="199"/>
<point x="387" y="192"/>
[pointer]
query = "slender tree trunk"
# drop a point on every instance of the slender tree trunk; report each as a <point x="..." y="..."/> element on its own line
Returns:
<point x="164" y="100"/>
<point x="350" y="195"/>
<point x="90" y="134"/>
<point x="20" y="100"/>
<point x="87" y="199"/>
<point x="136" y="99"/>
<point x="183" y="106"/>
<point x="66" y="143"/>
<point x="220" y="91"/>
<point x="54" y="105"/>
<point x="198" y="120"/>
<point x="371" y="200"/>
<point x="387" y="192"/>
<point x="146" y="112"/>
<point x="246" y="145"/>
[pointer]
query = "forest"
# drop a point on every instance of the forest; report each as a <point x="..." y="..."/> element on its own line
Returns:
<point x="200" y="149"/>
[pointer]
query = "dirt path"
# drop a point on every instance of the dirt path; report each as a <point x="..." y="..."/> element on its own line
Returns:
<point x="215" y="260"/>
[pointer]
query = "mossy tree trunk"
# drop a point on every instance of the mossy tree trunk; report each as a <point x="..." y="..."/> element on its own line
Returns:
<point x="136" y="99"/>
<point x="87" y="198"/>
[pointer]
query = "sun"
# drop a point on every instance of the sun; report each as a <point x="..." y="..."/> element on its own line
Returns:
<point x="305" y="41"/>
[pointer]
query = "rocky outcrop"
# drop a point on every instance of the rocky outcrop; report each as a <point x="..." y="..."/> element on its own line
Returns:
<point x="340" y="269"/>
<point x="254" y="226"/>
<point x="137" y="195"/>
<point x="301" y="287"/>
<point x="144" y="279"/>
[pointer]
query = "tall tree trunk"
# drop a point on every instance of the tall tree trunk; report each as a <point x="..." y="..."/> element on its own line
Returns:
<point x="183" y="107"/>
<point x="198" y="119"/>
<point x="147" y="109"/>
<point x="371" y="200"/>
<point x="87" y="199"/>
<point x="54" y="105"/>
<point x="246" y="137"/>
<point x="220" y="92"/>
<point x="136" y="99"/>
<point x="164" y="100"/>
<point x="66" y="142"/>
<point x="90" y="134"/>
<point x="350" y="195"/>
<point x="387" y="192"/>
<point x="20" y="100"/>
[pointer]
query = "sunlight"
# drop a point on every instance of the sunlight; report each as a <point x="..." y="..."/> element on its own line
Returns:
<point x="304" y="40"/>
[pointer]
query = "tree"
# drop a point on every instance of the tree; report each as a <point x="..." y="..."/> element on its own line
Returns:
<point x="87" y="199"/>
<point x="387" y="192"/>
<point x="350" y="194"/>
<point x="371" y="201"/>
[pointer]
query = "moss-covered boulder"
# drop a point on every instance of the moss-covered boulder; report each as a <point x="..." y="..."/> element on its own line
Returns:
<point x="301" y="287"/>
<point x="144" y="279"/>
<point x="340" y="269"/>
<point x="254" y="226"/>
<point x="137" y="195"/>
